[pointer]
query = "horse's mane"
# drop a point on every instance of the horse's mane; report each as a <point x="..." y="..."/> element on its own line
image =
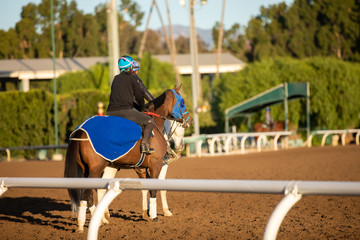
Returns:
<point x="158" y="102"/>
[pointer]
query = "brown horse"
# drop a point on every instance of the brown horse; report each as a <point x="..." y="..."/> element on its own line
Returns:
<point x="82" y="161"/>
<point x="278" y="126"/>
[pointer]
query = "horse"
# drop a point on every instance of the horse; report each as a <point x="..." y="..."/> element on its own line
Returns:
<point x="82" y="160"/>
<point x="174" y="134"/>
<point x="278" y="126"/>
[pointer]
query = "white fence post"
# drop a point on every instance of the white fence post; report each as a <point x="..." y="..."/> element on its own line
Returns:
<point x="291" y="198"/>
<point x="95" y="221"/>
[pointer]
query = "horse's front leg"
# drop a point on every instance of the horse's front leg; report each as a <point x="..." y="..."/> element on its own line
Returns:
<point x="154" y="173"/>
<point x="164" y="203"/>
<point x="152" y="205"/>
<point x="145" y="206"/>
<point x="142" y="173"/>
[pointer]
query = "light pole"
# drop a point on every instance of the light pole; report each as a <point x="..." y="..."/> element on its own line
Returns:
<point x="194" y="63"/>
<point x="113" y="39"/>
<point x="54" y="76"/>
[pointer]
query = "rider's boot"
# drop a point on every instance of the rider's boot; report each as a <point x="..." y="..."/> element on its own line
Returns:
<point x="145" y="142"/>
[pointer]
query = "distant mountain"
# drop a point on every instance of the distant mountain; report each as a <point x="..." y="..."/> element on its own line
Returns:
<point x="205" y="34"/>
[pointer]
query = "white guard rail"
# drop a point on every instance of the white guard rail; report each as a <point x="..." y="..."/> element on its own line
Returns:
<point x="326" y="133"/>
<point x="293" y="191"/>
<point x="227" y="143"/>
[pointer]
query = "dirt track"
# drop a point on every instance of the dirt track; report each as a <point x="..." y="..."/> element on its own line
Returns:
<point x="45" y="214"/>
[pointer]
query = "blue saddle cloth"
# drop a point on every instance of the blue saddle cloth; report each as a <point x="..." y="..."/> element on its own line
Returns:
<point x="111" y="137"/>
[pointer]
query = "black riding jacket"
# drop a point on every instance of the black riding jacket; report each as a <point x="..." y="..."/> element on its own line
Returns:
<point x="124" y="89"/>
<point x="146" y="93"/>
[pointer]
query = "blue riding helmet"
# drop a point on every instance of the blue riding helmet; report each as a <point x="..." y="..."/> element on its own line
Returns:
<point x="135" y="66"/>
<point x="125" y="62"/>
<point x="268" y="109"/>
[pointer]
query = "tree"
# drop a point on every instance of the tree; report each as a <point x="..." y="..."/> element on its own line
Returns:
<point x="305" y="29"/>
<point x="26" y="31"/>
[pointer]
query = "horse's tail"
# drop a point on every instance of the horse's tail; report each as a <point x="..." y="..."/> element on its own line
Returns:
<point x="73" y="170"/>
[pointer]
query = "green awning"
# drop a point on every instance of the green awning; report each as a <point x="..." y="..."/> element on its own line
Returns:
<point x="270" y="97"/>
<point x="280" y="94"/>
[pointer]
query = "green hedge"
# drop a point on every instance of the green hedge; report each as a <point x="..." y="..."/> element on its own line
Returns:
<point x="27" y="119"/>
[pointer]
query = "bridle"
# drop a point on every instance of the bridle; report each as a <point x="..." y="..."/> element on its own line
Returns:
<point x="179" y="114"/>
<point x="182" y="109"/>
<point x="180" y="105"/>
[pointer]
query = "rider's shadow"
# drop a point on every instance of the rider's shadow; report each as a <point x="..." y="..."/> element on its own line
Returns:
<point x="37" y="211"/>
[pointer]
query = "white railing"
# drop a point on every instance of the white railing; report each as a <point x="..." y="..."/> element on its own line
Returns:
<point x="326" y="133"/>
<point x="227" y="143"/>
<point x="293" y="190"/>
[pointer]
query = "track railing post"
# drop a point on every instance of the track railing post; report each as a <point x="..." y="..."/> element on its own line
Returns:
<point x="2" y="187"/>
<point x="242" y="143"/>
<point x="291" y="198"/>
<point x="110" y="195"/>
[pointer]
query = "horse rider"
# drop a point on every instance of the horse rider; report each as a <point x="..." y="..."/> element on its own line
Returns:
<point x="136" y="68"/>
<point x="125" y="89"/>
<point x="269" y="121"/>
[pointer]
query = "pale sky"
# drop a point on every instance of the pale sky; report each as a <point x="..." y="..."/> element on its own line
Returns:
<point x="236" y="11"/>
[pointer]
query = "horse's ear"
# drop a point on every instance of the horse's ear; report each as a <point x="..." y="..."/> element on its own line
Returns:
<point x="177" y="88"/>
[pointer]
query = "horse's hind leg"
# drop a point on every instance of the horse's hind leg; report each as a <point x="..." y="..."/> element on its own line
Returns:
<point x="109" y="173"/>
<point x="93" y="166"/>
<point x="85" y="199"/>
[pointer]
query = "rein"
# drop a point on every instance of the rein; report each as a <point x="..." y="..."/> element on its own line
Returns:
<point x="180" y="120"/>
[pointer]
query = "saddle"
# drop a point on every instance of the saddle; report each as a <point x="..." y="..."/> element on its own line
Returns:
<point x="111" y="137"/>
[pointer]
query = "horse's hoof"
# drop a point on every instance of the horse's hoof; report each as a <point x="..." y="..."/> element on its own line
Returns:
<point x="145" y="215"/>
<point x="80" y="230"/>
<point x="107" y="216"/>
<point x="154" y="219"/>
<point x="104" y="221"/>
<point x="168" y="214"/>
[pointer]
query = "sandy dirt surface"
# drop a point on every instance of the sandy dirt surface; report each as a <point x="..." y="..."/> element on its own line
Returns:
<point x="45" y="213"/>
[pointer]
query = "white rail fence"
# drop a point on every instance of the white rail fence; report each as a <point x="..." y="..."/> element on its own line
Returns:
<point x="232" y="143"/>
<point x="326" y="133"/>
<point x="293" y="190"/>
<point x="235" y="143"/>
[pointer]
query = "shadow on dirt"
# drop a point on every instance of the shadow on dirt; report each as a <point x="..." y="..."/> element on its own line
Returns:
<point x="38" y="211"/>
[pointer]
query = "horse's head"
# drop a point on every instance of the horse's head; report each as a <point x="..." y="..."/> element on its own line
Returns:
<point x="175" y="134"/>
<point x="179" y="111"/>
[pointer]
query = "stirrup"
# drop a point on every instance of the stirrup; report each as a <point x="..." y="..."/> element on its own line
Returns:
<point x="145" y="148"/>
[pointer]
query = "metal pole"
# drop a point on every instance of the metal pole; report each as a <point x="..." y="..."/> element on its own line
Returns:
<point x="226" y="123"/>
<point x="307" y="110"/>
<point x="286" y="94"/>
<point x="54" y="77"/>
<point x="113" y="39"/>
<point x="194" y="74"/>
<point x="219" y="46"/>
<point x="110" y="48"/>
<point x="143" y="40"/>
<point x="173" y="46"/>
